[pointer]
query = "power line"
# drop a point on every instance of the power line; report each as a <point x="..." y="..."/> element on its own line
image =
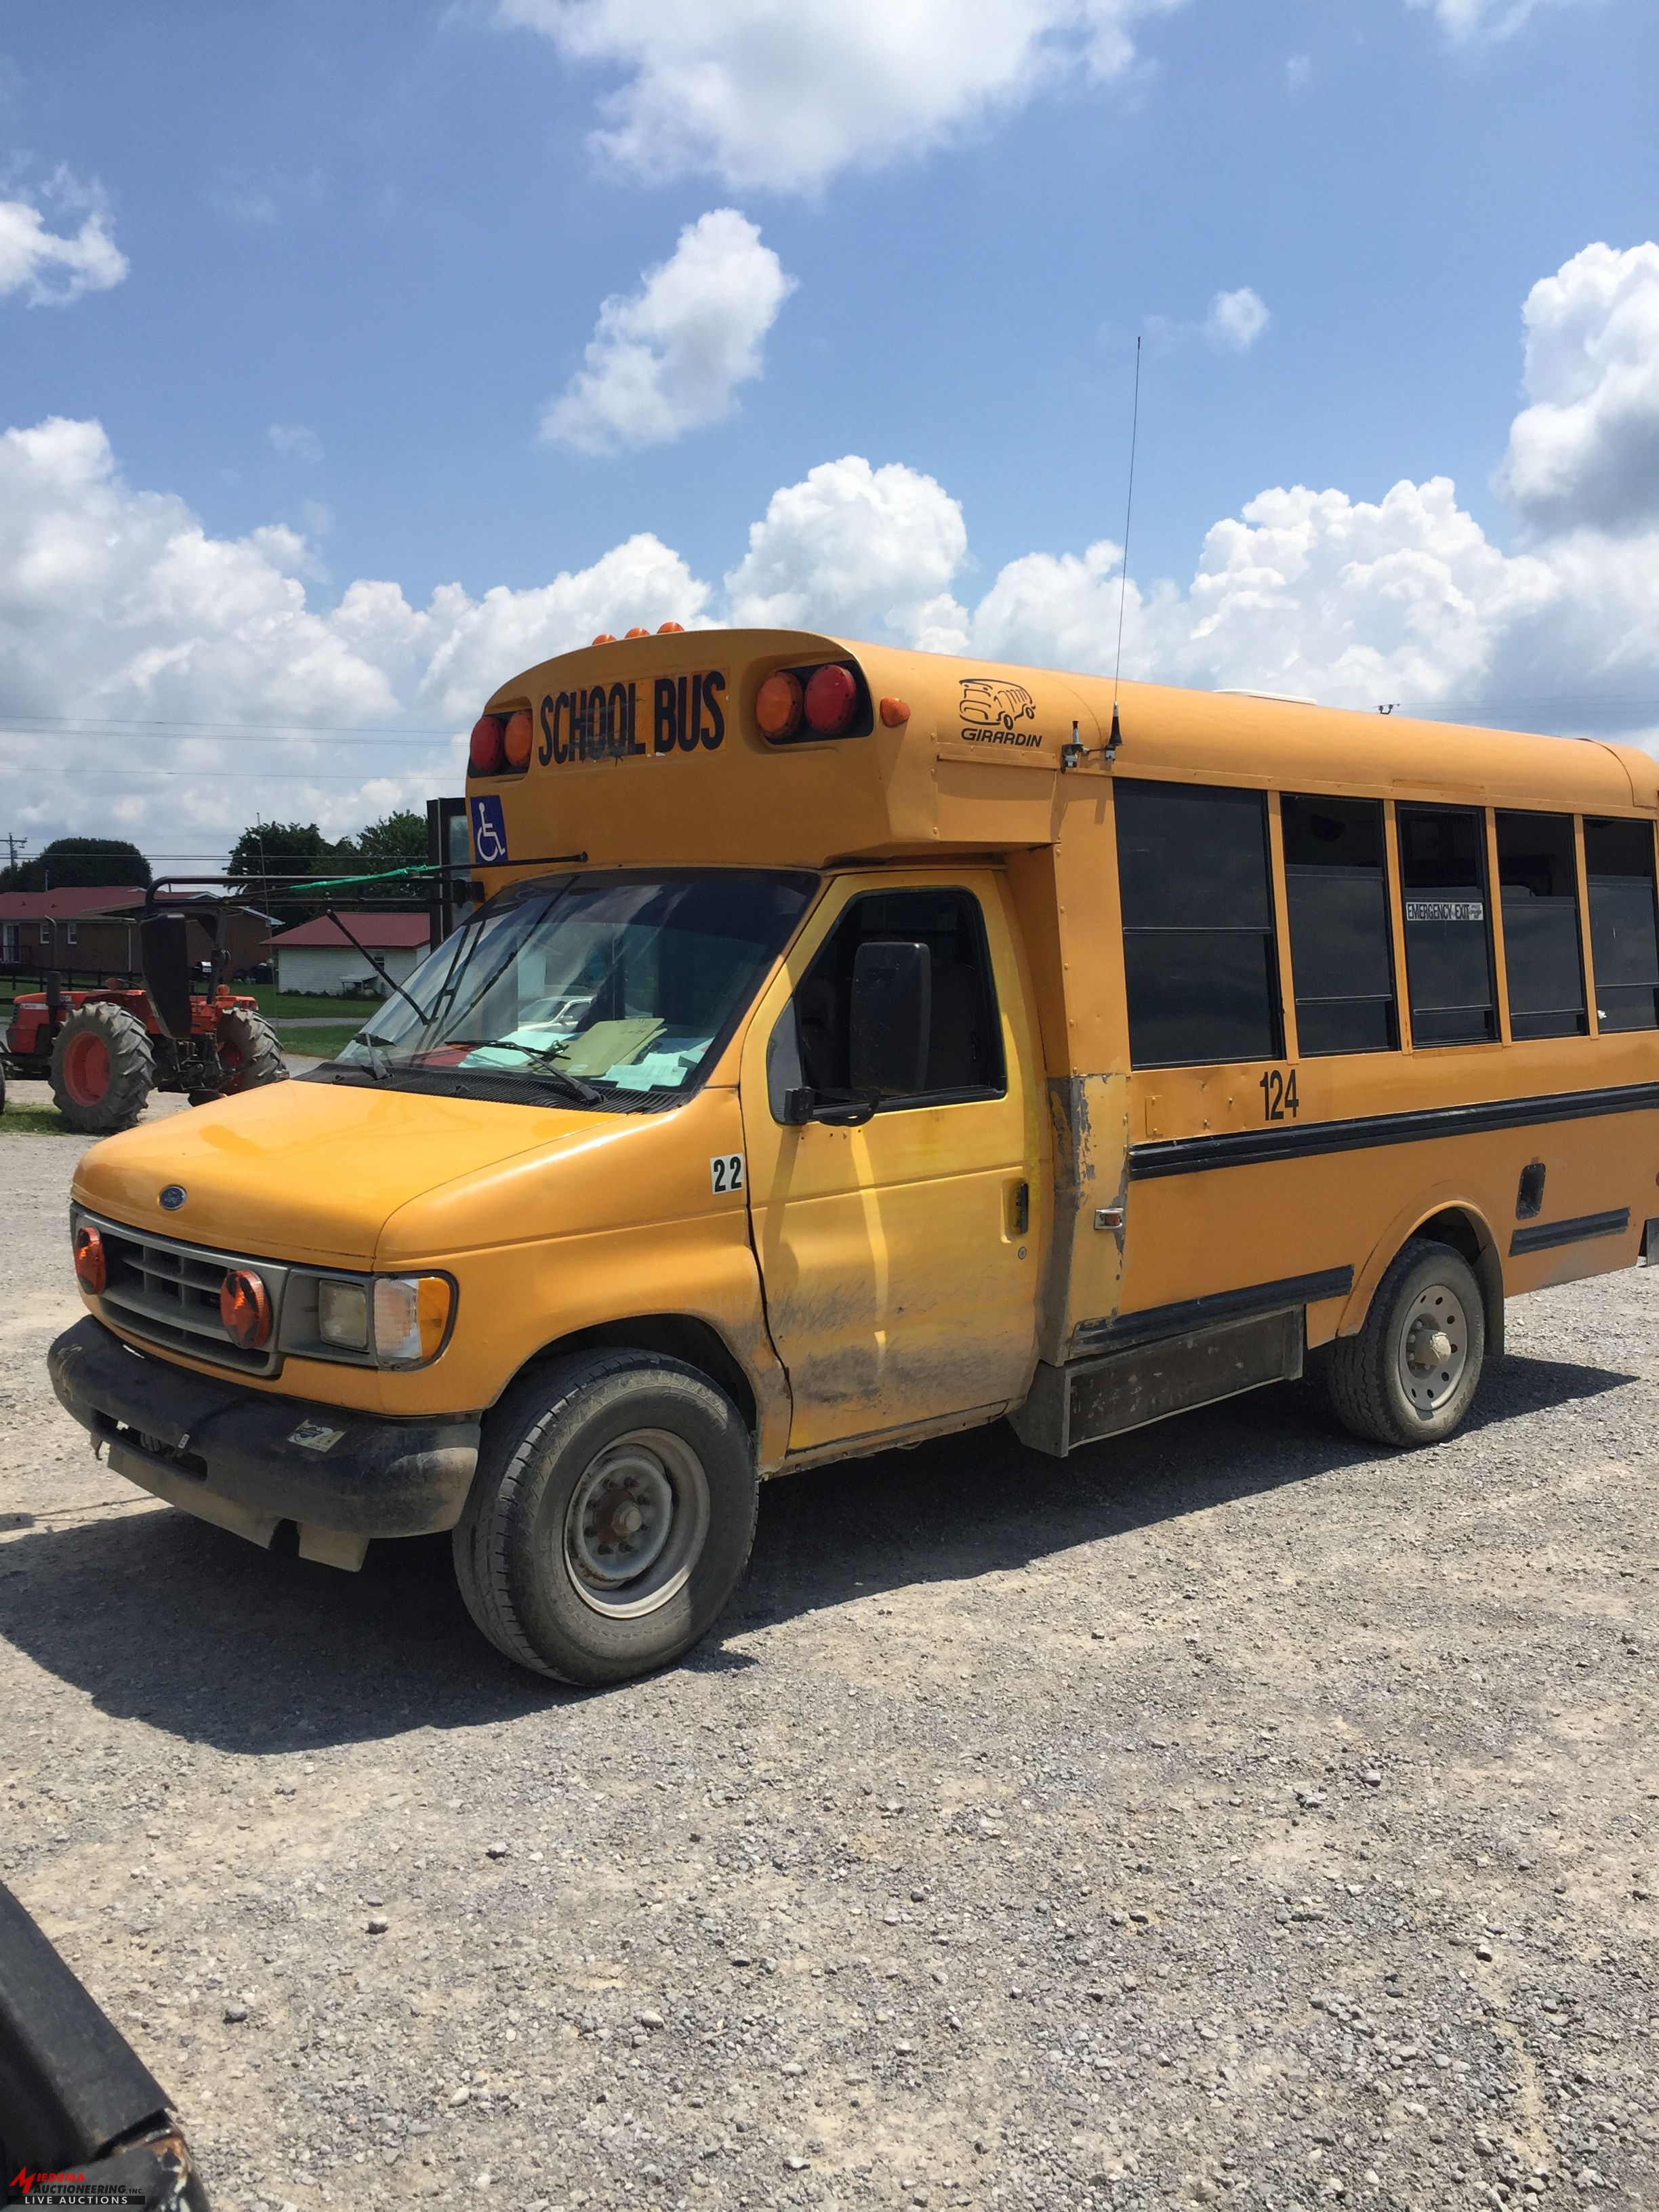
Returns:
<point x="240" y="737"/>
<point x="299" y="776"/>
<point x="319" y="729"/>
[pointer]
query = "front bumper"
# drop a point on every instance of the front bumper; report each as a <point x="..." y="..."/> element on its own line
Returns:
<point x="234" y="1456"/>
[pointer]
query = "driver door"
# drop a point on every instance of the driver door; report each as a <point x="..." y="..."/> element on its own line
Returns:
<point x="898" y="1258"/>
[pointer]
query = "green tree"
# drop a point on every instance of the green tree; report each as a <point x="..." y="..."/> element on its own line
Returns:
<point x="398" y="841"/>
<point x="274" y="853"/>
<point x="78" y="860"/>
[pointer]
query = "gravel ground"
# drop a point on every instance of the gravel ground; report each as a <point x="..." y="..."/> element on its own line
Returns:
<point x="1225" y="1816"/>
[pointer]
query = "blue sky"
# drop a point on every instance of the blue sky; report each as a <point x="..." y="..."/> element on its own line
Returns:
<point x="362" y="251"/>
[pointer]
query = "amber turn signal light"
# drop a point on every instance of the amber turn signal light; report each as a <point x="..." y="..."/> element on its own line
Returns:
<point x="777" y="704"/>
<point x="895" y="711"/>
<point x="91" y="1267"/>
<point x="670" y="629"/>
<point x="635" y="633"/>
<point x="517" y="740"/>
<point x="245" y="1309"/>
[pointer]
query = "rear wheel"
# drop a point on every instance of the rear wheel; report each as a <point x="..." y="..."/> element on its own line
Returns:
<point x="248" y="1053"/>
<point x="102" y="1069"/>
<point x="1411" y="1374"/>
<point x="611" y="1518"/>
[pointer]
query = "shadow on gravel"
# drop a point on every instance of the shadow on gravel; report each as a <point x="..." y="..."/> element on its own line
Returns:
<point x="156" y="1616"/>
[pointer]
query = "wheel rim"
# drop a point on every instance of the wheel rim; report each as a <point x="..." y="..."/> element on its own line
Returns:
<point x="1432" y="1347"/>
<point x="230" y="1058"/>
<point x="636" y="1524"/>
<point x="85" y="1069"/>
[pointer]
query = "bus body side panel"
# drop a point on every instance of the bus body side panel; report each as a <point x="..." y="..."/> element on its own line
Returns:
<point x="1231" y="1227"/>
<point x="1290" y="1211"/>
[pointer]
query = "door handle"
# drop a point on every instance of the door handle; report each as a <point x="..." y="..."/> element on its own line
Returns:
<point x="1022" y="1208"/>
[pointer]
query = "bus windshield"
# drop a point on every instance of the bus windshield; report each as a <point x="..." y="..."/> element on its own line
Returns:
<point x="600" y="989"/>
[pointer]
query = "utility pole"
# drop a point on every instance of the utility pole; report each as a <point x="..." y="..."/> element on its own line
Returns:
<point x="14" y="846"/>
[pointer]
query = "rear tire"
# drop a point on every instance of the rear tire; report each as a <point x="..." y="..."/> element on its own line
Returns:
<point x="611" y="1518"/>
<point x="248" y="1053"/>
<point x="102" y="1069"/>
<point x="1409" y="1375"/>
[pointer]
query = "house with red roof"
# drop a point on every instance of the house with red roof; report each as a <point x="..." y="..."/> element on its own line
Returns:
<point x="90" y="930"/>
<point x="319" y="955"/>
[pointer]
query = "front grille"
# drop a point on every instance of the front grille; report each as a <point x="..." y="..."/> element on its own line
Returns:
<point x="169" y="1294"/>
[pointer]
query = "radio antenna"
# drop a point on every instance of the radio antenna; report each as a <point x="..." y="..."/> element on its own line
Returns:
<point x="1116" y="738"/>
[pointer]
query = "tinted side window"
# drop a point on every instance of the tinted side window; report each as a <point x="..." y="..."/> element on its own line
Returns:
<point x="1336" y="888"/>
<point x="1443" y="878"/>
<point x="1198" y="927"/>
<point x="1538" y="890"/>
<point x="1619" y="861"/>
<point x="964" y="1042"/>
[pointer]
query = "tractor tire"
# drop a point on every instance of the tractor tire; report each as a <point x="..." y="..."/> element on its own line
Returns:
<point x="248" y="1053"/>
<point x="103" y="1069"/>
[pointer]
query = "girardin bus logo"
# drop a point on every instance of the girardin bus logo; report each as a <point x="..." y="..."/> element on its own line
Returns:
<point x="992" y="712"/>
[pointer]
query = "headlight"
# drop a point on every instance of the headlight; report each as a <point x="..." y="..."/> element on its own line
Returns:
<point x="411" y="1318"/>
<point x="343" y="1315"/>
<point x="370" y="1321"/>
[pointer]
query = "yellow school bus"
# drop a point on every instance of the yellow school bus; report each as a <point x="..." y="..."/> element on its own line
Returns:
<point x="856" y="1045"/>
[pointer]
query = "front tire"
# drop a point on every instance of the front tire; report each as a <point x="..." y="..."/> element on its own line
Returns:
<point x="248" y="1053"/>
<point x="102" y="1069"/>
<point x="1409" y="1375"/>
<point x="611" y="1518"/>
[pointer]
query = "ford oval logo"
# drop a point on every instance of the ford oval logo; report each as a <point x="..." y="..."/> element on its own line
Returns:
<point x="174" y="1196"/>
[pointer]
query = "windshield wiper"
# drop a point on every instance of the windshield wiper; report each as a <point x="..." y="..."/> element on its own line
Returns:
<point x="573" y="1086"/>
<point x="577" y="1086"/>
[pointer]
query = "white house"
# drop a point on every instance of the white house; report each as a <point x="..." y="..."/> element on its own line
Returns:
<point x="317" y="956"/>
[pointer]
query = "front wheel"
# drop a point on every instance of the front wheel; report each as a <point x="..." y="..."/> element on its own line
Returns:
<point x="103" y="1069"/>
<point x="611" y="1518"/>
<point x="248" y="1053"/>
<point x="1411" y="1374"/>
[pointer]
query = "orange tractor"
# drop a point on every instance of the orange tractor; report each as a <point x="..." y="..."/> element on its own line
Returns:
<point x="104" y="1051"/>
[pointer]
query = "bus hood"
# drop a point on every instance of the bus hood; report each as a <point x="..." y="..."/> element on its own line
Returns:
<point x="315" y="1172"/>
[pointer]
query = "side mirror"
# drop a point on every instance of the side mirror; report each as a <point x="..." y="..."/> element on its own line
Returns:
<point x="891" y="1017"/>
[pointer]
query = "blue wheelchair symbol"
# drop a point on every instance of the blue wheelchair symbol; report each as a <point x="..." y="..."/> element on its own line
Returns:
<point x="489" y="830"/>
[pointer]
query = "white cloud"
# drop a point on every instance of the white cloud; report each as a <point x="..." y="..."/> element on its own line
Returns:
<point x="1467" y="21"/>
<point x="53" y="269"/>
<point x="869" y="551"/>
<point x="116" y="605"/>
<point x="670" y="358"/>
<point x="1587" y="449"/>
<point x="1236" y="320"/>
<point x="787" y="92"/>
<point x="119" y="611"/>
<point x="294" y="442"/>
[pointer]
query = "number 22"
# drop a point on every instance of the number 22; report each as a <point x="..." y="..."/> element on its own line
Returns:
<point x="725" y="1172"/>
<point x="1277" y="1095"/>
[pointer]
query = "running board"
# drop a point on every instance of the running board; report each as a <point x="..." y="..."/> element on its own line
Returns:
<point x="1089" y="1398"/>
